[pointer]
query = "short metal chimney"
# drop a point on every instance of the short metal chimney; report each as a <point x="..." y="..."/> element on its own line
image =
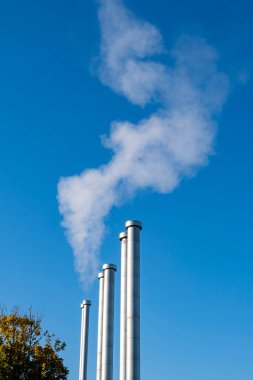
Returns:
<point x="123" y="292"/>
<point x="100" y="325"/>
<point x="85" y="308"/>
<point x="133" y="300"/>
<point x="108" y="321"/>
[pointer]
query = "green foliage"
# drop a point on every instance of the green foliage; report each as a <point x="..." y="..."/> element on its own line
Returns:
<point x="26" y="351"/>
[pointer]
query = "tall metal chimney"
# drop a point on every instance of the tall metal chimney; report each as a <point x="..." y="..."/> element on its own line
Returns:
<point x="85" y="308"/>
<point x="133" y="300"/>
<point x="100" y="325"/>
<point x="123" y="292"/>
<point x="108" y="321"/>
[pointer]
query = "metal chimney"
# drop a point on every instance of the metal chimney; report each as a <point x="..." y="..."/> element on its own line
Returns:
<point x="108" y="321"/>
<point x="100" y="325"/>
<point x="85" y="308"/>
<point x="123" y="292"/>
<point x="133" y="300"/>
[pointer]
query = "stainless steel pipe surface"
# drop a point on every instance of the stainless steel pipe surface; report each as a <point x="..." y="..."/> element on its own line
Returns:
<point x="100" y="325"/>
<point x="133" y="300"/>
<point x="85" y="308"/>
<point x="108" y="321"/>
<point x="123" y="291"/>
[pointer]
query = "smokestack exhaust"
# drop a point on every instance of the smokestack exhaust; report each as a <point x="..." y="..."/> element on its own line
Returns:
<point x="100" y="325"/>
<point x="133" y="300"/>
<point x="123" y="295"/>
<point x="108" y="321"/>
<point x="85" y="309"/>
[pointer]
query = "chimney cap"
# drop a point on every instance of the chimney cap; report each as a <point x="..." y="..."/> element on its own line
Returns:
<point x="134" y="223"/>
<point x="100" y="275"/>
<point x="122" y="235"/>
<point x="109" y="266"/>
<point x="85" y="302"/>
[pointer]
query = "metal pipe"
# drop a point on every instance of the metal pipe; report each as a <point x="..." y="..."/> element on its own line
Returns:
<point x="108" y="321"/>
<point x="133" y="300"/>
<point x="100" y="324"/>
<point x="85" y="307"/>
<point x="123" y="290"/>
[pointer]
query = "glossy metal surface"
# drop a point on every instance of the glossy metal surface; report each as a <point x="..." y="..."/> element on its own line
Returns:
<point x="133" y="300"/>
<point x="123" y="290"/>
<point x="100" y="325"/>
<point x="108" y="321"/>
<point x="85" y="308"/>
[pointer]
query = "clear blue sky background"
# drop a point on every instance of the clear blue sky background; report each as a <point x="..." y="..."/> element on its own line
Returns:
<point x="197" y="246"/>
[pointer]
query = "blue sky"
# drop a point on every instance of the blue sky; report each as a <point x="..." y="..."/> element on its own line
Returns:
<point x="197" y="263"/>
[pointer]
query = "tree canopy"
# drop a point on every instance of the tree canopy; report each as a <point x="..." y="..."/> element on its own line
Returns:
<point x="27" y="351"/>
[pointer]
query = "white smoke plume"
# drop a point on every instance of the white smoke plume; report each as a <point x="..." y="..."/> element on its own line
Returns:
<point x="171" y="143"/>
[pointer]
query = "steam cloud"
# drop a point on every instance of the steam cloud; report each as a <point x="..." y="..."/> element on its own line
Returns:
<point x="171" y="143"/>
